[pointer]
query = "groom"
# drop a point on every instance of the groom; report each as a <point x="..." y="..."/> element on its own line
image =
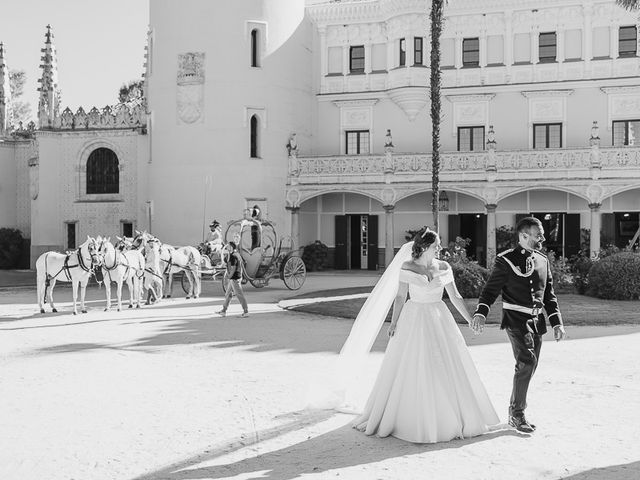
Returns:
<point x="523" y="276"/>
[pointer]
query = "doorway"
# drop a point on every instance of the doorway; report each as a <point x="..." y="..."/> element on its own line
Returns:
<point x="356" y="242"/>
<point x="471" y="226"/>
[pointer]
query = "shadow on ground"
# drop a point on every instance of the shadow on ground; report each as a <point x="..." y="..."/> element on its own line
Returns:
<point x="316" y="455"/>
<point x="627" y="471"/>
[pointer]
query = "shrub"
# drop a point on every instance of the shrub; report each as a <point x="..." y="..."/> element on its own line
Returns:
<point x="314" y="255"/>
<point x="470" y="278"/>
<point x="10" y="247"/>
<point x="561" y="273"/>
<point x="580" y="265"/>
<point x="616" y="277"/>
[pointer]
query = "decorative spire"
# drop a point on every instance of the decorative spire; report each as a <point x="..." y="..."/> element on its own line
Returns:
<point x="6" y="112"/>
<point x="49" y="103"/>
<point x="147" y="68"/>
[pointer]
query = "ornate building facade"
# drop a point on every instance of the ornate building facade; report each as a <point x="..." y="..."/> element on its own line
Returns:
<point x="318" y="112"/>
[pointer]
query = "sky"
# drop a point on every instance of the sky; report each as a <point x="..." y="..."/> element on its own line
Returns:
<point x="100" y="46"/>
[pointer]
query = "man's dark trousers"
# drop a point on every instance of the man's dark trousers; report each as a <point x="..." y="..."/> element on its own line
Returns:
<point x="526" y="351"/>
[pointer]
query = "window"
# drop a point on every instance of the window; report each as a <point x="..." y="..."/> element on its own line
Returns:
<point x="255" y="45"/>
<point x="470" y="52"/>
<point x="357" y="142"/>
<point x="71" y="235"/>
<point x="127" y="229"/>
<point x="627" y="41"/>
<point x="547" y="47"/>
<point x="103" y="173"/>
<point x="356" y="59"/>
<point x="254" y="137"/>
<point x="470" y="139"/>
<point x="547" y="135"/>
<point x="417" y="51"/>
<point x="403" y="52"/>
<point x="625" y="132"/>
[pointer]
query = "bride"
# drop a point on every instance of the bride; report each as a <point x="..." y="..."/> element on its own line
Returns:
<point x="427" y="389"/>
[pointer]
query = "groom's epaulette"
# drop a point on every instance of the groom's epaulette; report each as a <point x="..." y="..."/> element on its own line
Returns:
<point x="501" y="254"/>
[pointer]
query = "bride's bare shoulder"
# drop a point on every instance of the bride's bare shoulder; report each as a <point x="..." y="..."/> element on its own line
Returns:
<point x="442" y="265"/>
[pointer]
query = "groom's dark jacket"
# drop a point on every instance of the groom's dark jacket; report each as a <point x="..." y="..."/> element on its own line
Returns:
<point x="523" y="277"/>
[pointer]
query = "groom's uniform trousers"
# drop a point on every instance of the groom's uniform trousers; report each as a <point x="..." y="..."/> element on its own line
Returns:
<point x="523" y="277"/>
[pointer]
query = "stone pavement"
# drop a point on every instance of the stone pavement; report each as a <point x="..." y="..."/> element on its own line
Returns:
<point x="173" y="392"/>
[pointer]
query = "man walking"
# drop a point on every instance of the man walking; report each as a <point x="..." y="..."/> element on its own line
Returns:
<point x="234" y="274"/>
<point x="523" y="276"/>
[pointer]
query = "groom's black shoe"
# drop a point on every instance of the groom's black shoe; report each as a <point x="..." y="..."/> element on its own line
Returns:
<point x="520" y="423"/>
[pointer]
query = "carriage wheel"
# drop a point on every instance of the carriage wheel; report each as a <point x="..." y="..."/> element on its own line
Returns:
<point x="185" y="283"/>
<point x="259" y="282"/>
<point x="294" y="273"/>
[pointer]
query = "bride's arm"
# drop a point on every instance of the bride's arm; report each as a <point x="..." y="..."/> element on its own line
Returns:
<point x="458" y="301"/>
<point x="398" y="303"/>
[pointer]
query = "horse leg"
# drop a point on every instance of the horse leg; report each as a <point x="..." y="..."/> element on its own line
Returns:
<point x="130" y="283"/>
<point x="52" y="283"/>
<point x="198" y="278"/>
<point x="169" y="284"/>
<point x="119" y="293"/>
<point x="83" y="291"/>
<point x="74" y="294"/>
<point x="40" y="292"/>
<point x="107" y="287"/>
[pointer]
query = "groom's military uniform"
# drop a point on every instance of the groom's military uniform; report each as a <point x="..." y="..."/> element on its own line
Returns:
<point x="523" y="277"/>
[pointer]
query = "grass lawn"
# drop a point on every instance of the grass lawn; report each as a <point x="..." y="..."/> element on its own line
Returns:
<point x="576" y="309"/>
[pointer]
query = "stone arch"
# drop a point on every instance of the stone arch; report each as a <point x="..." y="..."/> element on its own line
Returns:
<point x="621" y="189"/>
<point x="310" y="195"/>
<point x="81" y="166"/>
<point x="470" y="193"/>
<point x="502" y="195"/>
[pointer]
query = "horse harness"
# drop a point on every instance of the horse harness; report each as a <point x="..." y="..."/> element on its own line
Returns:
<point x="66" y="268"/>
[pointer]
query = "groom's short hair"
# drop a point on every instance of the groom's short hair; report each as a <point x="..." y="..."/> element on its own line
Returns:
<point x="525" y="224"/>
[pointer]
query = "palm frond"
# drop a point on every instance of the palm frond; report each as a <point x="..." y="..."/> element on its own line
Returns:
<point x="629" y="4"/>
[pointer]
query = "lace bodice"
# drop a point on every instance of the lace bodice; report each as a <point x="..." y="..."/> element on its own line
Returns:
<point x="424" y="291"/>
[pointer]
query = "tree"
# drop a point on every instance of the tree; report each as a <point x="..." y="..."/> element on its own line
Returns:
<point x="131" y="93"/>
<point x="21" y="110"/>
<point x="629" y="4"/>
<point x="437" y="7"/>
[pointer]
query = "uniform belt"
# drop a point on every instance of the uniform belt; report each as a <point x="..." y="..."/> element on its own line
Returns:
<point x="533" y="311"/>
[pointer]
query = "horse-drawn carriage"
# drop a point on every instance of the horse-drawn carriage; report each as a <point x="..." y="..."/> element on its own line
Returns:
<point x="264" y="256"/>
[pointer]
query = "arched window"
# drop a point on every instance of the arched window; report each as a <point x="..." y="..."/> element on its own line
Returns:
<point x="255" y="37"/>
<point x="103" y="174"/>
<point x="254" y="136"/>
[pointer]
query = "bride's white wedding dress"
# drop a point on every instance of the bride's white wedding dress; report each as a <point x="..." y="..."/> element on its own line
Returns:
<point x="428" y="389"/>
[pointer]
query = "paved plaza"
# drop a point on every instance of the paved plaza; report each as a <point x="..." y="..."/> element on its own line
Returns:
<point x="174" y="392"/>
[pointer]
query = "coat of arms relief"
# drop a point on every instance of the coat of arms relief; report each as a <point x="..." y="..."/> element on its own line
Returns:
<point x="190" y="88"/>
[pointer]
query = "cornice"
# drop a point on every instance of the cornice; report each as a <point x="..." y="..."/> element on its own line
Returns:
<point x="633" y="90"/>
<point x="365" y="102"/>
<point x="478" y="97"/>
<point x="546" y="93"/>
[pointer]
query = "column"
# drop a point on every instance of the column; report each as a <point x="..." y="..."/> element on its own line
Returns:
<point x="596" y="223"/>
<point x="390" y="54"/>
<point x="560" y="46"/>
<point x="295" y="226"/>
<point x="535" y="42"/>
<point x="324" y="52"/>
<point x="345" y="60"/>
<point x="483" y="48"/>
<point x="388" y="235"/>
<point x="491" y="233"/>
<point x="458" y="51"/>
<point x="507" y="42"/>
<point x="367" y="58"/>
<point x="587" y="34"/>
<point x="613" y="40"/>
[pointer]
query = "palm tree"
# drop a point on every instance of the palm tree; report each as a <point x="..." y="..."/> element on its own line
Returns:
<point x="437" y="7"/>
<point x="629" y="4"/>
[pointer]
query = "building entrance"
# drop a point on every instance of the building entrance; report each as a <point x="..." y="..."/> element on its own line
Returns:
<point x="356" y="242"/>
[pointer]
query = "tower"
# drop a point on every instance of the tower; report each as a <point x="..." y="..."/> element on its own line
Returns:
<point x="49" y="103"/>
<point x="5" y="96"/>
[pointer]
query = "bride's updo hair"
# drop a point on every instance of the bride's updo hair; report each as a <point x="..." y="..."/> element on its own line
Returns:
<point x="422" y="240"/>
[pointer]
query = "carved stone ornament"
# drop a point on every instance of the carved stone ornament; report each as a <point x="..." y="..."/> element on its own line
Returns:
<point x="190" y="88"/>
<point x="34" y="178"/>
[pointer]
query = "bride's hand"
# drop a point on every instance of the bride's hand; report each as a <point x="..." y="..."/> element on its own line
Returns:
<point x="392" y="330"/>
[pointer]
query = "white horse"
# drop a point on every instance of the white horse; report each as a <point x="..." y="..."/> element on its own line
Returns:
<point x="186" y="259"/>
<point x="75" y="267"/>
<point x="121" y="266"/>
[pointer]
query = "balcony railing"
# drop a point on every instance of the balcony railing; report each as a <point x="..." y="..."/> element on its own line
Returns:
<point x="468" y="166"/>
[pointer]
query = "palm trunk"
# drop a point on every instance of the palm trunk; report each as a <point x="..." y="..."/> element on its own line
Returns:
<point x="436" y="30"/>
